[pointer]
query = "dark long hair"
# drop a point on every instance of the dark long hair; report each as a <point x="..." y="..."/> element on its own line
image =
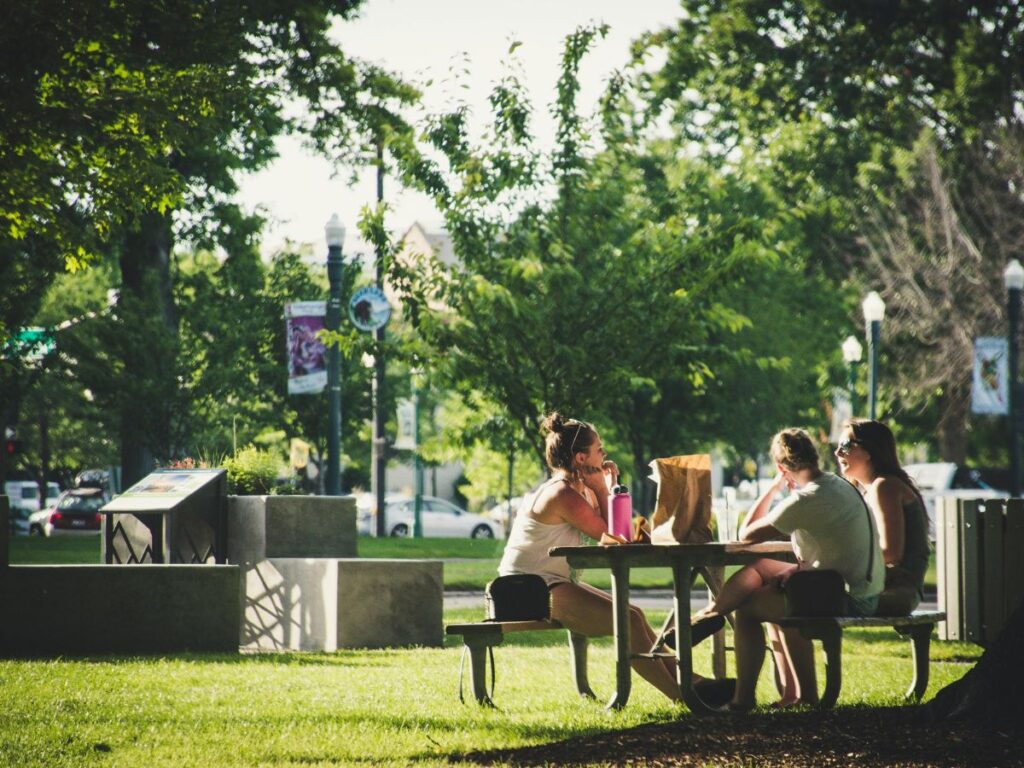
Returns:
<point x="880" y="443"/>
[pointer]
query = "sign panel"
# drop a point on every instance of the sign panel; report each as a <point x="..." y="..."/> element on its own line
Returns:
<point x="163" y="490"/>
<point x="369" y="309"/>
<point x="990" y="388"/>
<point x="307" y="355"/>
<point x="405" y="440"/>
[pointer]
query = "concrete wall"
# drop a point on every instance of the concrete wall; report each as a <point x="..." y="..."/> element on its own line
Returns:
<point x="89" y="609"/>
<point x="387" y="603"/>
<point x="320" y="604"/>
<point x="290" y="526"/>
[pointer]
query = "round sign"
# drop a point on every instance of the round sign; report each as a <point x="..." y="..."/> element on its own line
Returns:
<point x="369" y="309"/>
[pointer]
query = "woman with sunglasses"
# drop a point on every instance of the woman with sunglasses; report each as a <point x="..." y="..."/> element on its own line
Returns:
<point x="867" y="457"/>
<point x="571" y="504"/>
<point x="830" y="529"/>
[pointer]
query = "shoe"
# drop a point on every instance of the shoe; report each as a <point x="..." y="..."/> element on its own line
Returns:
<point x="715" y="693"/>
<point x="705" y="627"/>
<point x="700" y="629"/>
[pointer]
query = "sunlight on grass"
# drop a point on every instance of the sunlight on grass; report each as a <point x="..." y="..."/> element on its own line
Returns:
<point x="387" y="708"/>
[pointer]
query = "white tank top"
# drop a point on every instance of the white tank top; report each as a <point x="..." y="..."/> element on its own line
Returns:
<point x="527" y="548"/>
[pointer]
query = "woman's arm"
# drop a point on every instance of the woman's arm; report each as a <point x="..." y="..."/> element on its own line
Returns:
<point x="761" y="507"/>
<point x="578" y="512"/>
<point x="885" y="499"/>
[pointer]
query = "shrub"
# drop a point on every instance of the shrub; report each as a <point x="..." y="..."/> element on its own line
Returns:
<point x="252" y="471"/>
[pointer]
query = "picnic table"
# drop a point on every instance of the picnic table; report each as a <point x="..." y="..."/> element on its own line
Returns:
<point x="684" y="560"/>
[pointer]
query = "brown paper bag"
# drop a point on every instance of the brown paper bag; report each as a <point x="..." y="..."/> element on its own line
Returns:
<point x="682" y="513"/>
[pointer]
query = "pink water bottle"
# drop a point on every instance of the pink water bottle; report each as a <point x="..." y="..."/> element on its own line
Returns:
<point x="620" y="512"/>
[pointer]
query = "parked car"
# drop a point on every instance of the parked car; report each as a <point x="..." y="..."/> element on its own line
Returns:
<point x="24" y="502"/>
<point x="504" y="512"/>
<point x="944" y="478"/>
<point x="77" y="511"/>
<point x="440" y="518"/>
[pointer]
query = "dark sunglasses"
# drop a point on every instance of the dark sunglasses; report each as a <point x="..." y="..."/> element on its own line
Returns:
<point x="844" y="448"/>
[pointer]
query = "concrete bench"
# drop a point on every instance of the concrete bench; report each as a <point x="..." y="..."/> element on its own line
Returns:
<point x="917" y="626"/>
<point x="479" y="639"/>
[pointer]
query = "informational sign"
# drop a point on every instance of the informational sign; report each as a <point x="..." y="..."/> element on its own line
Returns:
<point x="163" y="490"/>
<point x="405" y="440"/>
<point x="369" y="309"/>
<point x="307" y="355"/>
<point x="990" y="389"/>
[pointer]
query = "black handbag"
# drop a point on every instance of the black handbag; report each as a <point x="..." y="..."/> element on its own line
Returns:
<point x="518" y="597"/>
<point x="818" y="592"/>
<point x="815" y="593"/>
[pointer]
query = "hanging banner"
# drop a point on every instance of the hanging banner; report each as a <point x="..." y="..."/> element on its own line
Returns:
<point x="990" y="390"/>
<point x="307" y="356"/>
<point x="405" y="440"/>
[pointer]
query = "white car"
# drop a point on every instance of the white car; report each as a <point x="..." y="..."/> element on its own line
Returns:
<point x="24" y="501"/>
<point x="944" y="478"/>
<point x="504" y="512"/>
<point x="440" y="519"/>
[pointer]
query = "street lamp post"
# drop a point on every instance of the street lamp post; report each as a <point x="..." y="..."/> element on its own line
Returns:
<point x="874" y="311"/>
<point x="335" y="232"/>
<point x="1014" y="277"/>
<point x="852" y="351"/>
<point x="417" y="527"/>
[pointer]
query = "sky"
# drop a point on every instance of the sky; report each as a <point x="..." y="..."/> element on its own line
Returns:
<point x="422" y="40"/>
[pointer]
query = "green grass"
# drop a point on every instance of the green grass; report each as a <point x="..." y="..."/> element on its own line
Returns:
<point x="372" y="708"/>
<point x="470" y="563"/>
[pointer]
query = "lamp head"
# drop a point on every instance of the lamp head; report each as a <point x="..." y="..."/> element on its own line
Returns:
<point x="852" y="350"/>
<point x="1014" y="275"/>
<point x="335" y="232"/>
<point x="874" y="308"/>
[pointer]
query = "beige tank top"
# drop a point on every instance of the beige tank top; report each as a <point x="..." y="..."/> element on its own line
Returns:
<point x="527" y="548"/>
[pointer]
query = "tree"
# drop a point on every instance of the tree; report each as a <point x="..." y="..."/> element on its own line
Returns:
<point x="941" y="248"/>
<point x="596" y="282"/>
<point x="136" y="119"/>
<point x="863" y="80"/>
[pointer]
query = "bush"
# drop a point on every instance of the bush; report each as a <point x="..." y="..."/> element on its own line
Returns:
<point x="252" y="471"/>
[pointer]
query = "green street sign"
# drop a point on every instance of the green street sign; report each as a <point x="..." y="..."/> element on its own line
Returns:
<point x="30" y="344"/>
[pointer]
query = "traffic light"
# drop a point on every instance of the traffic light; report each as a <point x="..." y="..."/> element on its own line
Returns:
<point x="12" y="446"/>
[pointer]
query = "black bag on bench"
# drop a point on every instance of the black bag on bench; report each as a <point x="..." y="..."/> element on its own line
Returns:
<point x="518" y="597"/>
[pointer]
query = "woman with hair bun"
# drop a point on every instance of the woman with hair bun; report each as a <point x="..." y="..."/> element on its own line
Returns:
<point x="569" y="505"/>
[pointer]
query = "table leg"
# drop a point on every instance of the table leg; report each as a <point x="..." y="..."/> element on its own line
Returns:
<point x="682" y="573"/>
<point x="620" y="629"/>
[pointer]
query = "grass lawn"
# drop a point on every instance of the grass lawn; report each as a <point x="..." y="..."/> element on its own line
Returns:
<point x="379" y="708"/>
<point x="371" y="708"/>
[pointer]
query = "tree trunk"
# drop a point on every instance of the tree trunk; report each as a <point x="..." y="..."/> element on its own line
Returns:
<point x="990" y="694"/>
<point x="952" y="426"/>
<point x="146" y="283"/>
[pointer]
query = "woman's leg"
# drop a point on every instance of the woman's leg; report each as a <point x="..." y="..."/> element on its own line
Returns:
<point x="800" y="652"/>
<point x="589" y="611"/>
<point x="744" y="583"/>
<point x="785" y="676"/>
<point x="764" y="605"/>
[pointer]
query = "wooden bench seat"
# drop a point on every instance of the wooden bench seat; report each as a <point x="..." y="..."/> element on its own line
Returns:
<point x="917" y="626"/>
<point x="481" y="637"/>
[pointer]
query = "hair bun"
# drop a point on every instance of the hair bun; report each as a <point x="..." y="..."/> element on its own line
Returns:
<point x="554" y="422"/>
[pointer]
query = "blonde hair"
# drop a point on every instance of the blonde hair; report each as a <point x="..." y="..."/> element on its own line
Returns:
<point x="794" y="450"/>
